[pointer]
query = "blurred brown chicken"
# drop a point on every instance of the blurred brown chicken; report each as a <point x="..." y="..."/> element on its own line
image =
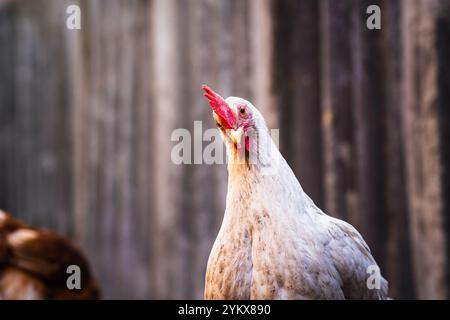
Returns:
<point x="34" y="262"/>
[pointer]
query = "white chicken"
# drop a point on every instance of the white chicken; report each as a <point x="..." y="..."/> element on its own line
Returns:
<point x="274" y="242"/>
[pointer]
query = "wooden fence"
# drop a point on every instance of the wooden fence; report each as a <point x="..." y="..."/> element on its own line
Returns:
<point x="86" y="118"/>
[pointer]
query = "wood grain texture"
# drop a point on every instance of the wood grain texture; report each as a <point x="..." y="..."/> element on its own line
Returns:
<point x="86" y="119"/>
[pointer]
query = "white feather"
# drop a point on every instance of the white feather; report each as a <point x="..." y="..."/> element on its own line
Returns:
<point x="275" y="243"/>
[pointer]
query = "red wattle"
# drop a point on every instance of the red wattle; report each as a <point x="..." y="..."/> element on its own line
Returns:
<point x="247" y="143"/>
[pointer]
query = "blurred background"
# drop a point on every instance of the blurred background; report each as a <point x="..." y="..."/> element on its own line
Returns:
<point x="86" y="118"/>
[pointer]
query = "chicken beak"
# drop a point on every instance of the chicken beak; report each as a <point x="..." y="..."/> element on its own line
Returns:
<point x="236" y="136"/>
<point x="220" y="107"/>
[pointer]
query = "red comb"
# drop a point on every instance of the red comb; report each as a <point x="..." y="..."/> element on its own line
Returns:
<point x="220" y="107"/>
